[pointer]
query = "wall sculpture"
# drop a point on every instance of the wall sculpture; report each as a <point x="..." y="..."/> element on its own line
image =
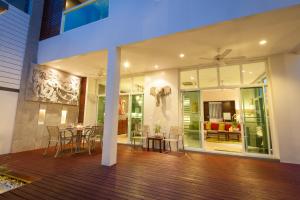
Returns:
<point x="53" y="86"/>
<point x="159" y="93"/>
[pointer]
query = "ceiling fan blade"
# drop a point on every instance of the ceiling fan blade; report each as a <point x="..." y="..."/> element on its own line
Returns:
<point x="296" y="49"/>
<point x="202" y="58"/>
<point x="225" y="53"/>
<point x="236" y="58"/>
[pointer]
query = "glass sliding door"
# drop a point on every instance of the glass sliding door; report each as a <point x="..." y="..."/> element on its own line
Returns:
<point x="137" y="105"/>
<point x="191" y="119"/>
<point x="255" y="117"/>
<point x="101" y="110"/>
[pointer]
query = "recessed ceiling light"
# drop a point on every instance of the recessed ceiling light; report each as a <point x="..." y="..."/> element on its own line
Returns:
<point x="156" y="66"/>
<point x="244" y="71"/>
<point x="126" y="64"/>
<point x="181" y="55"/>
<point x="250" y="72"/>
<point x="192" y="78"/>
<point x="263" y="42"/>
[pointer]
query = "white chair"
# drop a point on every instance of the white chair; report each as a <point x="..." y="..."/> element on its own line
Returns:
<point x="60" y="137"/>
<point x="92" y="135"/>
<point x="140" y="135"/>
<point x="175" y="135"/>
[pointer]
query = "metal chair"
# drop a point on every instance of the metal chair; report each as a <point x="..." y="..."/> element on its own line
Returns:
<point x="175" y="135"/>
<point x="58" y="137"/>
<point x="96" y="132"/>
<point x="140" y="135"/>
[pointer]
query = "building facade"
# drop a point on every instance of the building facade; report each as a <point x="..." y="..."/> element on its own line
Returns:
<point x="227" y="74"/>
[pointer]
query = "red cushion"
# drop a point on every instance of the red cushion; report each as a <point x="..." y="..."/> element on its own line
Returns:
<point x="227" y="127"/>
<point x="214" y="126"/>
<point x="239" y="127"/>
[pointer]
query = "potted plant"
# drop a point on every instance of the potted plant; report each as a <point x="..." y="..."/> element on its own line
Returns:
<point x="235" y="123"/>
<point x="157" y="129"/>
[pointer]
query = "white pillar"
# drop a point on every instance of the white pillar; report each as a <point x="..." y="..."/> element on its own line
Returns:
<point x="109" y="151"/>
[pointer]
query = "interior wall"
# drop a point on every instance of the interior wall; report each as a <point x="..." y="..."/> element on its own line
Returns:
<point x="167" y="114"/>
<point x="8" y="106"/>
<point x="285" y="80"/>
<point x="90" y="111"/>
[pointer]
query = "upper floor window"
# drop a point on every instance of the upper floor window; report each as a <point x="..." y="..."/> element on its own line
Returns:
<point x="23" y="5"/>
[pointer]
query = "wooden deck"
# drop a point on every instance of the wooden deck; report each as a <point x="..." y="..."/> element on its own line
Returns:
<point x="152" y="175"/>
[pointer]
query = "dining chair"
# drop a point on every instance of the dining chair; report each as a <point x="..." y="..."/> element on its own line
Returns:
<point x="96" y="132"/>
<point x="60" y="138"/>
<point x="140" y="135"/>
<point x="175" y="135"/>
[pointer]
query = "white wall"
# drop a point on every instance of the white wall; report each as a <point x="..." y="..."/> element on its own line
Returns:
<point x="8" y="106"/>
<point x="131" y="21"/>
<point x="90" y="110"/>
<point x="285" y="80"/>
<point x="13" y="36"/>
<point x="167" y="114"/>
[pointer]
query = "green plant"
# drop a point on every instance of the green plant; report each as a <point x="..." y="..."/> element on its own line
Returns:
<point x="157" y="128"/>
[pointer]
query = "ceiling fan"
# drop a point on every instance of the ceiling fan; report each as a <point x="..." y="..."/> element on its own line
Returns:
<point x="221" y="58"/>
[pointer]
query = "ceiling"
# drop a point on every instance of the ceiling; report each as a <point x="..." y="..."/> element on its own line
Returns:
<point x="280" y="28"/>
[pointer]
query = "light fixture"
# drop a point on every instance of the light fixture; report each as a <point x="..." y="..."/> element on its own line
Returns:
<point x="243" y="71"/>
<point x="250" y="72"/>
<point x="156" y="66"/>
<point x="126" y="64"/>
<point x="181" y="55"/>
<point x="263" y="42"/>
<point x="192" y="78"/>
<point x="3" y="7"/>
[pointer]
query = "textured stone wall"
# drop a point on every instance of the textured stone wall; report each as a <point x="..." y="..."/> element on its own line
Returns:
<point x="28" y="134"/>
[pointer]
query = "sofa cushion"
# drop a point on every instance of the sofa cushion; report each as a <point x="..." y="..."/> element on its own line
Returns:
<point x="214" y="126"/>
<point x="227" y="127"/>
<point x="207" y="126"/>
<point x="221" y="126"/>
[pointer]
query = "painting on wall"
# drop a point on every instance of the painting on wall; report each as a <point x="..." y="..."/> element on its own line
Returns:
<point x="53" y="86"/>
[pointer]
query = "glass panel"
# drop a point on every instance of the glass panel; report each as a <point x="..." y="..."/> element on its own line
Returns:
<point x="137" y="112"/>
<point x="20" y="4"/>
<point x="191" y="119"/>
<point x="123" y="119"/>
<point x="188" y="79"/>
<point x="255" y="121"/>
<point x="101" y="86"/>
<point x="230" y="75"/>
<point x="138" y="84"/>
<point x="254" y="73"/>
<point x="208" y="78"/>
<point x="125" y="85"/>
<point x="85" y="14"/>
<point x="101" y="110"/>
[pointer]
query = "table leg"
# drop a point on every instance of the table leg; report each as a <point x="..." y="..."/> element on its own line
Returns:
<point x="147" y="144"/>
<point x="164" y="144"/>
<point x="160" y="146"/>
<point x="153" y="145"/>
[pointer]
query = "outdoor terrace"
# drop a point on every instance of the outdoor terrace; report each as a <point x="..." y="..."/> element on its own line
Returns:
<point x="151" y="175"/>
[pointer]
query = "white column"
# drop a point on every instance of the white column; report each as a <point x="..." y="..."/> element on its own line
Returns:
<point x="109" y="151"/>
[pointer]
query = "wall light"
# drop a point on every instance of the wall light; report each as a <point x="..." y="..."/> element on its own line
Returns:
<point x="42" y="115"/>
<point x="126" y="64"/>
<point x="181" y="55"/>
<point x="156" y="66"/>
<point x="63" y="118"/>
<point x="3" y="7"/>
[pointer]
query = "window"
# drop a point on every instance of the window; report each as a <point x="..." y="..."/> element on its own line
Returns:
<point x="230" y="75"/>
<point x="254" y="73"/>
<point x="208" y="78"/>
<point x="20" y="4"/>
<point x="188" y="79"/>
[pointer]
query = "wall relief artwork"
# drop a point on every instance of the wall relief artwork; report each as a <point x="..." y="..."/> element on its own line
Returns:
<point x="53" y="86"/>
<point x="159" y="93"/>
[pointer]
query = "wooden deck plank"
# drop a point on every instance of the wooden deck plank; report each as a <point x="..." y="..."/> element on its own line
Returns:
<point x="151" y="175"/>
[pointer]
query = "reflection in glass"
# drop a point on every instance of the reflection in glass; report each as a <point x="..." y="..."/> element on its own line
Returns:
<point x="254" y="73"/>
<point x="191" y="119"/>
<point x="101" y="110"/>
<point x="188" y="79"/>
<point x="230" y="75"/>
<point x="208" y="78"/>
<point x="137" y="112"/>
<point x="125" y="85"/>
<point x="255" y="120"/>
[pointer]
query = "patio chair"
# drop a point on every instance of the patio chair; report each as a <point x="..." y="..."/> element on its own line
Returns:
<point x="175" y="135"/>
<point x="58" y="137"/>
<point x="140" y="135"/>
<point x="91" y="136"/>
